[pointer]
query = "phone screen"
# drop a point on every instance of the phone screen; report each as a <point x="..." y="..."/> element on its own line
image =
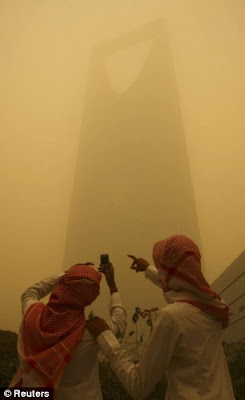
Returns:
<point x="104" y="259"/>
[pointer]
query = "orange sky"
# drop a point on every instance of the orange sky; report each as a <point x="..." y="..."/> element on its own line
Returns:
<point x="121" y="124"/>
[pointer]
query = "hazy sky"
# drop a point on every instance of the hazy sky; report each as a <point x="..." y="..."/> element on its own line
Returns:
<point x="122" y="123"/>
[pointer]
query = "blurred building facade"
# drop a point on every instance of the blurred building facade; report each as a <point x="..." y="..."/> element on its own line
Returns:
<point x="231" y="286"/>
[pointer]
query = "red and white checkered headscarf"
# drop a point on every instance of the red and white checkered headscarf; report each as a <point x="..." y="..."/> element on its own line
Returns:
<point x="178" y="261"/>
<point x="52" y="332"/>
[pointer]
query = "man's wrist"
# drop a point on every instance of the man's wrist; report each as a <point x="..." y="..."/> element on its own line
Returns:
<point x="113" y="287"/>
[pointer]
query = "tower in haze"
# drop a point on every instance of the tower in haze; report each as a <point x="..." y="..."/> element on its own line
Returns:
<point x="132" y="184"/>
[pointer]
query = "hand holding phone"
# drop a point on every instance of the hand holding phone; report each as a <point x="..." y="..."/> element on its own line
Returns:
<point x="107" y="269"/>
<point x="104" y="259"/>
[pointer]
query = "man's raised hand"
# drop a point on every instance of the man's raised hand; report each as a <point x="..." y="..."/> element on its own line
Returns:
<point x="108" y="271"/>
<point x="138" y="264"/>
<point x="96" y="326"/>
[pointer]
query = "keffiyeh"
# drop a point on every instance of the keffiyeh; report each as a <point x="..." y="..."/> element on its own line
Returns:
<point x="178" y="261"/>
<point x="52" y="332"/>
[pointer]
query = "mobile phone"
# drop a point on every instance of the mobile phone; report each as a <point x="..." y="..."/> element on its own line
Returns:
<point x="104" y="259"/>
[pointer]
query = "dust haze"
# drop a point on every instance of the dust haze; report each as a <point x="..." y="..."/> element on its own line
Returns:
<point x="120" y="125"/>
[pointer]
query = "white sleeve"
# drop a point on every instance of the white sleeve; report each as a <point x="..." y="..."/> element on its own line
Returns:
<point x="118" y="316"/>
<point x="39" y="290"/>
<point x="139" y="379"/>
<point x="152" y="274"/>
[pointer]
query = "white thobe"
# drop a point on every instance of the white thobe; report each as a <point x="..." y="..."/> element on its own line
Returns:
<point x="80" y="379"/>
<point x="185" y="344"/>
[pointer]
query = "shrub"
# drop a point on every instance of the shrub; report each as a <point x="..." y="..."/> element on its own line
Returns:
<point x="8" y="356"/>
<point x="235" y="354"/>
